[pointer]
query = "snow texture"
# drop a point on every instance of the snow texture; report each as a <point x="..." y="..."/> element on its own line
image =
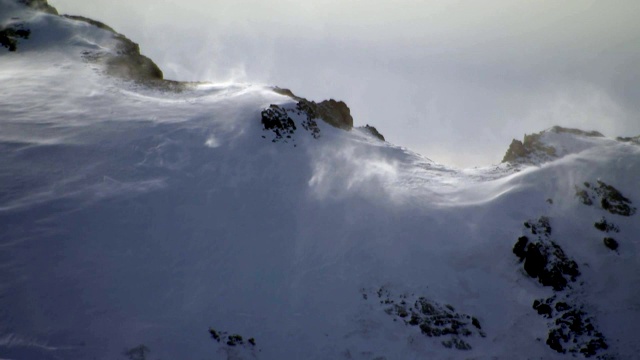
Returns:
<point x="136" y="222"/>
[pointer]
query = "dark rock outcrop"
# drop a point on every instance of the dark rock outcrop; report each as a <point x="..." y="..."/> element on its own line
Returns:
<point x="334" y="113"/>
<point x="373" y="131"/>
<point x="433" y="319"/>
<point x="611" y="243"/>
<point x="633" y="140"/>
<point x="10" y="35"/>
<point x="278" y="119"/>
<point x="605" y="226"/>
<point x="608" y="197"/>
<point x="231" y="340"/>
<point x="571" y="330"/>
<point x="543" y="258"/>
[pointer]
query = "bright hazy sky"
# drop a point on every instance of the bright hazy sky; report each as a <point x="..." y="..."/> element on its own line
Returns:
<point x="452" y="80"/>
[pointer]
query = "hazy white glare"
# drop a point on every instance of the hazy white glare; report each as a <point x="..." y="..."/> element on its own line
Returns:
<point x="455" y="81"/>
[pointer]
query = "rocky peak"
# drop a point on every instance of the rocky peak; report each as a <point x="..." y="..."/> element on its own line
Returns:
<point x="124" y="61"/>
<point x="333" y="112"/>
<point x="548" y="145"/>
<point x="40" y="5"/>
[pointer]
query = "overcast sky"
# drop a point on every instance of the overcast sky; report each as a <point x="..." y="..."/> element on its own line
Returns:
<point x="452" y="80"/>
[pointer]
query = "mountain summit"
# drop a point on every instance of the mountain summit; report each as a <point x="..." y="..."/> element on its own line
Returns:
<point x="142" y="218"/>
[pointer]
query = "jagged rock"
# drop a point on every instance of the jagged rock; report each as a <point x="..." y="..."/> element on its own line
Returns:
<point x="634" y="140"/>
<point x="571" y="330"/>
<point x="232" y="340"/>
<point x="457" y="343"/>
<point x="543" y="309"/>
<point x="276" y="119"/>
<point x="127" y="62"/>
<point x="583" y="196"/>
<point x="611" y="243"/>
<point x="9" y="35"/>
<point x="541" y="226"/>
<point x="532" y="146"/>
<point x="334" y="113"/>
<point x="543" y="258"/>
<point x="520" y="248"/>
<point x="605" y="226"/>
<point x="433" y="319"/>
<point x="613" y="201"/>
<point x="609" y="198"/>
<point x="519" y="150"/>
<point x="562" y="306"/>
<point x="373" y="131"/>
<point x="40" y="5"/>
<point x="560" y="129"/>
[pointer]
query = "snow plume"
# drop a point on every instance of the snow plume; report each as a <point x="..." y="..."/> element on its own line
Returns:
<point x="340" y="169"/>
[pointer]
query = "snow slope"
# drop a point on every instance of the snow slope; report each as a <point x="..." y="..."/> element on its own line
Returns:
<point x="131" y="215"/>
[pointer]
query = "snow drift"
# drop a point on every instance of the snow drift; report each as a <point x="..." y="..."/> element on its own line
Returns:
<point x="198" y="221"/>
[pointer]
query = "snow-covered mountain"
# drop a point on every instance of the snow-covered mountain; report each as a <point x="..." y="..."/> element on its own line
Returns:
<point x="142" y="218"/>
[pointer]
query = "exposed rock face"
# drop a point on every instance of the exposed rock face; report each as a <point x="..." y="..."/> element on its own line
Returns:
<point x="433" y="319"/>
<point x="125" y="61"/>
<point x="278" y="119"/>
<point x="334" y="113"/>
<point x="533" y="146"/>
<point x="519" y="150"/>
<point x="560" y="129"/>
<point x="608" y="197"/>
<point x="40" y="5"/>
<point x="571" y="330"/>
<point x="543" y="258"/>
<point x="9" y="35"/>
<point x="633" y="140"/>
<point x="373" y="131"/>
<point x="605" y="226"/>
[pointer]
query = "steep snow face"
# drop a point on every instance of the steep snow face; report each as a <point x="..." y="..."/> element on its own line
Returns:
<point x="142" y="223"/>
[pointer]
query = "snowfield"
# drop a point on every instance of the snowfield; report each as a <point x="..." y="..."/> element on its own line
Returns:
<point x="138" y="222"/>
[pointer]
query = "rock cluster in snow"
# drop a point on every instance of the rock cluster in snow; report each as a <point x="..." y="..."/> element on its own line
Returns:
<point x="10" y="35"/>
<point x="334" y="113"/>
<point x="433" y="319"/>
<point x="633" y="140"/>
<point x="225" y="338"/>
<point x="607" y="196"/>
<point x="609" y="199"/>
<point x="543" y="258"/>
<point x="278" y="120"/>
<point x="571" y="329"/>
